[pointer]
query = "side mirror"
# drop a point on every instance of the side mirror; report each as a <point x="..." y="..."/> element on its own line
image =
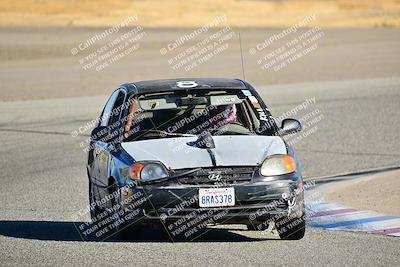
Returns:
<point x="290" y="126"/>
<point x="100" y="133"/>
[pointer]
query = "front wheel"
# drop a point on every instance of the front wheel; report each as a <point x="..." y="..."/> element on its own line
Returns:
<point x="293" y="226"/>
<point x="94" y="209"/>
<point x="293" y="229"/>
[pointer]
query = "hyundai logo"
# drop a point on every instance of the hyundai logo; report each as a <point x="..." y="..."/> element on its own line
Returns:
<point x="215" y="177"/>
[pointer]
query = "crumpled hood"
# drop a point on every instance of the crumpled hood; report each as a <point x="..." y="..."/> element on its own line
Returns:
<point x="176" y="153"/>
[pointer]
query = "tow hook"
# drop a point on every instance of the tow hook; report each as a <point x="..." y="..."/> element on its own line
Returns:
<point x="291" y="202"/>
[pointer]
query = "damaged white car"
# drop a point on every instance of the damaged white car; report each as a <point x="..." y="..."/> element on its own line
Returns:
<point x="185" y="154"/>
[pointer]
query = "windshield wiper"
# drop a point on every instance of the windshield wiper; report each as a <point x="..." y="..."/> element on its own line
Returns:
<point x="164" y="133"/>
<point x="177" y="134"/>
<point x="233" y="133"/>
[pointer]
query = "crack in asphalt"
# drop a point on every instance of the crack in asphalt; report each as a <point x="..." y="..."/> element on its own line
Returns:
<point x="48" y="123"/>
<point x="349" y="153"/>
<point x="39" y="132"/>
<point x="351" y="175"/>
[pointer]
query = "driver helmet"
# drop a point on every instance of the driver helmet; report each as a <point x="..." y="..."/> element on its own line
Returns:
<point x="223" y="114"/>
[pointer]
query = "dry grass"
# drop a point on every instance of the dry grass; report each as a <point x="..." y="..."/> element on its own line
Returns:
<point x="185" y="13"/>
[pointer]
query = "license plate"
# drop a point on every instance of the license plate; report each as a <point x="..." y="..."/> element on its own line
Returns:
<point x="216" y="197"/>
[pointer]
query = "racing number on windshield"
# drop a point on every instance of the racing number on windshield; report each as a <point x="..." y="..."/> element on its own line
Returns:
<point x="186" y="84"/>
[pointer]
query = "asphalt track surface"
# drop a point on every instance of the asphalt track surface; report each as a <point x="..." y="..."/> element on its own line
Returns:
<point x="353" y="76"/>
<point x="44" y="67"/>
<point x="44" y="183"/>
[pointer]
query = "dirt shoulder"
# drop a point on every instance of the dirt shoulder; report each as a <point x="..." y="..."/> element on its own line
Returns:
<point x="177" y="13"/>
<point x="44" y="67"/>
<point x="378" y="193"/>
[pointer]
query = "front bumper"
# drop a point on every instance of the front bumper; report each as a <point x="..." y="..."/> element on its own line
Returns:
<point x="255" y="201"/>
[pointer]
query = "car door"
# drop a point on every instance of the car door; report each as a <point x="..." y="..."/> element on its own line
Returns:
<point x="103" y="149"/>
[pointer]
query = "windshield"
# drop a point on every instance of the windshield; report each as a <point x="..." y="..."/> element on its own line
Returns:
<point x="169" y="115"/>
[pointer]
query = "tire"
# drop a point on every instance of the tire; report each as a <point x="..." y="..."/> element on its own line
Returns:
<point x="94" y="212"/>
<point x="257" y="226"/>
<point x="118" y="232"/>
<point x="121" y="231"/>
<point x="294" y="229"/>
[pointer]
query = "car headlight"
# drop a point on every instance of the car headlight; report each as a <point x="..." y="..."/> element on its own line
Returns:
<point x="278" y="165"/>
<point x="148" y="171"/>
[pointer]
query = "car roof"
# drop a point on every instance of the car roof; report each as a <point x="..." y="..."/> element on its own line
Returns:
<point x="169" y="85"/>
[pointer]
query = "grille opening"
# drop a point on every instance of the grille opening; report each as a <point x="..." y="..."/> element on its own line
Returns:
<point x="229" y="175"/>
